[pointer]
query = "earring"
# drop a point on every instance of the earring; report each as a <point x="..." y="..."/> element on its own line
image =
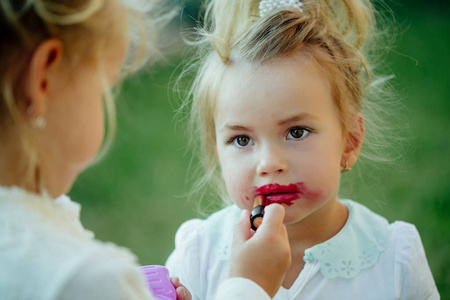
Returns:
<point x="346" y="169"/>
<point x="39" y="121"/>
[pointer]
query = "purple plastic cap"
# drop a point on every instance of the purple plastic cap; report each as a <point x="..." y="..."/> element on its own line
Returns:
<point x="158" y="282"/>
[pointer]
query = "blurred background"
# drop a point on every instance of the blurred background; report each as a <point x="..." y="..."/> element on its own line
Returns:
<point x="136" y="196"/>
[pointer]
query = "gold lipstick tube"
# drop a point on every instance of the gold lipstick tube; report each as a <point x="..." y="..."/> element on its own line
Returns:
<point x="257" y="212"/>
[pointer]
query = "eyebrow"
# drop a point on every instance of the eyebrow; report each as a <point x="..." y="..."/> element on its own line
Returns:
<point x="296" y="118"/>
<point x="237" y="127"/>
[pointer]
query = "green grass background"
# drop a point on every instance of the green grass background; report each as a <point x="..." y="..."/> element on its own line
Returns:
<point x="135" y="197"/>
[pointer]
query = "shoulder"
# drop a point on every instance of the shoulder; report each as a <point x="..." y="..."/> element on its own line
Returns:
<point x="202" y="249"/>
<point x="65" y="267"/>
<point x="405" y="234"/>
<point x="189" y="240"/>
<point x="49" y="255"/>
<point x="408" y="244"/>
<point x="197" y="236"/>
<point x="107" y="273"/>
<point x="99" y="270"/>
<point x="413" y="278"/>
<point x="185" y="260"/>
<point x="188" y="233"/>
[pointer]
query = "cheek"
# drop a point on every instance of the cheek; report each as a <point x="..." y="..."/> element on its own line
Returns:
<point x="238" y="180"/>
<point x="323" y="171"/>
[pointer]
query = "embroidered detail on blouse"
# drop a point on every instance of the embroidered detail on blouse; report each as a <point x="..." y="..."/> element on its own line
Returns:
<point x="308" y="258"/>
<point x="356" y="247"/>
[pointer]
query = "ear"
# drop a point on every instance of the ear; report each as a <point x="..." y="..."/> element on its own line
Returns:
<point x="44" y="61"/>
<point x="353" y="142"/>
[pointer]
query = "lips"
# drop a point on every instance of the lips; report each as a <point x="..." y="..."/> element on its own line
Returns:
<point x="276" y="193"/>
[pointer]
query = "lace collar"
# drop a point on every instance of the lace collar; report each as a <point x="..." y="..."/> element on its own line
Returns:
<point x="62" y="213"/>
<point x="356" y="247"/>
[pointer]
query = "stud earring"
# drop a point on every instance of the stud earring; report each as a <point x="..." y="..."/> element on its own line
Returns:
<point x="346" y="169"/>
<point x="39" y="121"/>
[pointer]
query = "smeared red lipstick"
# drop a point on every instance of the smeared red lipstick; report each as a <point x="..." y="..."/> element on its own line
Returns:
<point x="285" y="194"/>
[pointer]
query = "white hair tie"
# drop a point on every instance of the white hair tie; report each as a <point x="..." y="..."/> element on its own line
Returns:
<point x="266" y="6"/>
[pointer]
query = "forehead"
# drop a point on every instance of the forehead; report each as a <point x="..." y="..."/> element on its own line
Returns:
<point x="285" y="82"/>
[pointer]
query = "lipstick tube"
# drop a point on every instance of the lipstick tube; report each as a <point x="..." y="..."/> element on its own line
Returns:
<point x="257" y="212"/>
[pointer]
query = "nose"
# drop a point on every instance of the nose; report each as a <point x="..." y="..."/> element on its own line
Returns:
<point x="272" y="161"/>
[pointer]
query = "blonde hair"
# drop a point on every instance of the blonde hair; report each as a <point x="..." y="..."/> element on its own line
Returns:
<point x="334" y="35"/>
<point x="85" y="27"/>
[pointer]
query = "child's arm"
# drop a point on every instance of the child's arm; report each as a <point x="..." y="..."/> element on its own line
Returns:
<point x="264" y="256"/>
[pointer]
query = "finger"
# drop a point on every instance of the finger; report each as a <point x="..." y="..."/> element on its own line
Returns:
<point x="242" y="228"/>
<point x="183" y="293"/>
<point x="273" y="216"/>
<point x="175" y="281"/>
<point x="180" y="294"/>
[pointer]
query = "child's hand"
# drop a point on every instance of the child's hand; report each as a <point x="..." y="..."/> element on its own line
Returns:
<point x="182" y="292"/>
<point x="264" y="256"/>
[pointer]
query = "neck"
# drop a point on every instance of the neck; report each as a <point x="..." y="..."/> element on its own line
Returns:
<point x="14" y="164"/>
<point x="42" y="172"/>
<point x="313" y="230"/>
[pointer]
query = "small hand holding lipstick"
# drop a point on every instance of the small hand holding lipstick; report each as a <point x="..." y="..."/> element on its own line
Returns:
<point x="262" y="256"/>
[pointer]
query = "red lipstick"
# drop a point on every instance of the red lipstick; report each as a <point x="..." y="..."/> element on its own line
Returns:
<point x="285" y="194"/>
<point x="276" y="193"/>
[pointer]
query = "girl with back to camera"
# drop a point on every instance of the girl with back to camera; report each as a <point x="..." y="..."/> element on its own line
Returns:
<point x="277" y="112"/>
<point x="57" y="61"/>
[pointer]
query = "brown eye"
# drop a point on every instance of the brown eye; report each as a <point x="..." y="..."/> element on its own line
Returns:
<point x="242" y="141"/>
<point x="297" y="133"/>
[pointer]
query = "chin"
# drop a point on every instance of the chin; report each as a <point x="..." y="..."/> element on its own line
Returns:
<point x="295" y="214"/>
<point x="290" y="219"/>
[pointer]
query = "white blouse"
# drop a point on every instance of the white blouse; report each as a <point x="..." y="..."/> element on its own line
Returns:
<point x="368" y="259"/>
<point x="45" y="253"/>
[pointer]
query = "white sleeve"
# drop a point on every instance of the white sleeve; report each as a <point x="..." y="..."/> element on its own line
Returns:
<point x="104" y="277"/>
<point x="184" y="262"/>
<point x="413" y="278"/>
<point x="240" y="289"/>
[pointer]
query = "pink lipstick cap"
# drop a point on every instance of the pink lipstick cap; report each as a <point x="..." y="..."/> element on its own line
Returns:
<point x="158" y="282"/>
